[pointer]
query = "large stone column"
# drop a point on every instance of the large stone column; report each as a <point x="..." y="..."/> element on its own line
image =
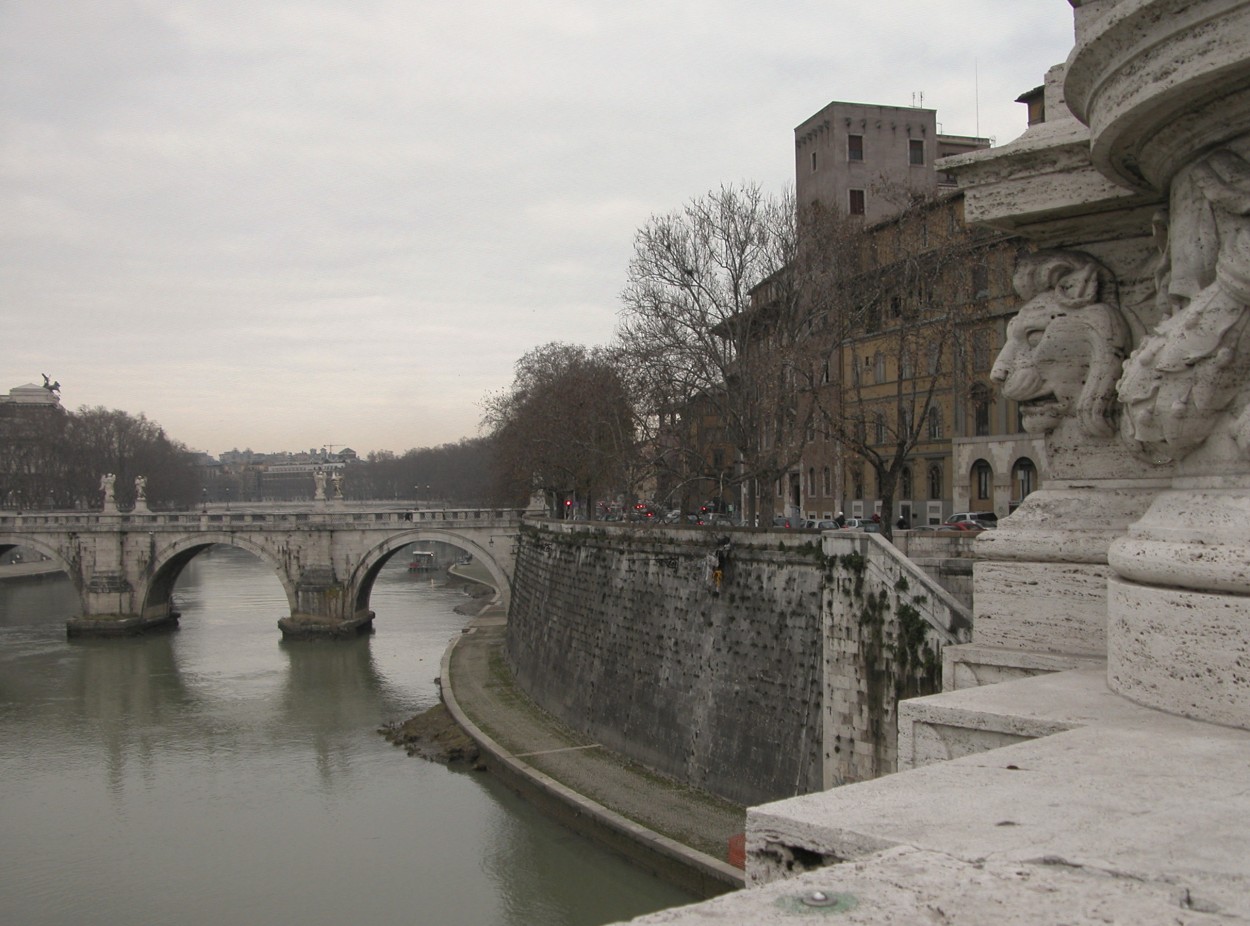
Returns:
<point x="1136" y="189"/>
<point x="1086" y="297"/>
<point x="1165" y="88"/>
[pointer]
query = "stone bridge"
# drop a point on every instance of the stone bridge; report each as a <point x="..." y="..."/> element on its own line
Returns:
<point x="326" y="555"/>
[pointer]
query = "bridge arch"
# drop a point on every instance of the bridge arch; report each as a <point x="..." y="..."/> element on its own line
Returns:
<point x="168" y="563"/>
<point x="36" y="543"/>
<point x="366" y="571"/>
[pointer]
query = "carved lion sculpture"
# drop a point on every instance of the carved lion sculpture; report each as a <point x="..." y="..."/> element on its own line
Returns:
<point x="1066" y="346"/>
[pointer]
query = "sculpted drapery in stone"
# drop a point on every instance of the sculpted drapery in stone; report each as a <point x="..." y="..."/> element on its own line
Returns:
<point x="1066" y="346"/>
<point x="1190" y="375"/>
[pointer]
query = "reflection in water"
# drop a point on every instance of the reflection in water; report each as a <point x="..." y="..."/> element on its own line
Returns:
<point x="216" y="775"/>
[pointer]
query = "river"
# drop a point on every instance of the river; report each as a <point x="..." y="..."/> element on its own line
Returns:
<point x="216" y="775"/>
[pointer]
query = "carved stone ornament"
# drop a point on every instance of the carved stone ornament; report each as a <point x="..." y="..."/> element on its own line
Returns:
<point x="1066" y="346"/>
<point x="1189" y="377"/>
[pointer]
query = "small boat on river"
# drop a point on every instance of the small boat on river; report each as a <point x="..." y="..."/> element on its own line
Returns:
<point x="422" y="561"/>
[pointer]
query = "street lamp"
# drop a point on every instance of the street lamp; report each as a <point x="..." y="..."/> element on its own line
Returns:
<point x="204" y="500"/>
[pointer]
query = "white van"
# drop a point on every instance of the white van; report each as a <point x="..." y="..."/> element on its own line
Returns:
<point x="984" y="518"/>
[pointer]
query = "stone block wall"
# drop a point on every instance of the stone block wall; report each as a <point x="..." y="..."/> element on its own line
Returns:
<point x="749" y="691"/>
<point x="886" y="622"/>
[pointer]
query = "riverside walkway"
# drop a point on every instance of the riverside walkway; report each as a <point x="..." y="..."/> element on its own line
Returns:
<point x="681" y="834"/>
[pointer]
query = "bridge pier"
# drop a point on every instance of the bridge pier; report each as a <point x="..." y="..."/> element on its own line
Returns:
<point x="320" y="627"/>
<point x="324" y="609"/>
<point x="107" y="610"/>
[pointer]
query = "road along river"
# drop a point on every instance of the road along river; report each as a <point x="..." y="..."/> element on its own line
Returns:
<point x="217" y="775"/>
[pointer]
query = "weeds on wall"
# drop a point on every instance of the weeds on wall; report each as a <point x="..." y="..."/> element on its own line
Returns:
<point x="897" y="658"/>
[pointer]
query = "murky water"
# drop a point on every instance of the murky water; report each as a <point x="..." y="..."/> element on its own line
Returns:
<point x="218" y="776"/>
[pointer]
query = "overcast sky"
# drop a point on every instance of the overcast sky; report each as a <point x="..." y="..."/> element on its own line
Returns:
<point x="291" y="223"/>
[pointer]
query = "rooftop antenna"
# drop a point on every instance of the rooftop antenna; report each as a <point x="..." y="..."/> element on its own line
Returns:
<point x="976" y="92"/>
<point x="917" y="99"/>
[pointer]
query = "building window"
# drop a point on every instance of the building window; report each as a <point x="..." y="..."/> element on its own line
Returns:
<point x="981" y="405"/>
<point x="856" y="202"/>
<point x="826" y="478"/>
<point x="982" y="415"/>
<point x="935" y="423"/>
<point x="915" y="151"/>
<point x="813" y="162"/>
<point x="855" y="147"/>
<point x="878" y="363"/>
<point x="983" y="476"/>
<point x="935" y="482"/>
<point x="811" y="481"/>
<point x="1024" y="475"/>
<point x="981" y="350"/>
<point x="880" y="428"/>
<point x="857" y="484"/>
<point x="980" y="281"/>
<point x="905" y="486"/>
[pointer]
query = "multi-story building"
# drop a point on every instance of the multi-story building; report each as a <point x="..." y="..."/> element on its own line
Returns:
<point x="858" y="158"/>
<point x="910" y="339"/>
<point x="926" y="279"/>
<point x="911" y="349"/>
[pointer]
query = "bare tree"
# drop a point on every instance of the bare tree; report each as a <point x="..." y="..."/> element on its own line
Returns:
<point x="715" y="328"/>
<point x="104" y="440"/>
<point x="50" y="458"/>
<point x="565" y="427"/>
<point x="904" y="317"/>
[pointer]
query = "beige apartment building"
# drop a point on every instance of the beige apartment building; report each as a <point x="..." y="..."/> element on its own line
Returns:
<point x="972" y="455"/>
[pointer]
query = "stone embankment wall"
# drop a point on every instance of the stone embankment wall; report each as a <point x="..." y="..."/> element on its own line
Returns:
<point x="947" y="558"/>
<point x="779" y="682"/>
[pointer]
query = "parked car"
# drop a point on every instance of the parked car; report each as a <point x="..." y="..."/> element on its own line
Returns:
<point x="968" y="526"/>
<point x="867" y="525"/>
<point x="984" y="518"/>
<point x="782" y="521"/>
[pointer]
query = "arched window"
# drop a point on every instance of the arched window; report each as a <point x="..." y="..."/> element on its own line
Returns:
<point x="827" y="480"/>
<point x="935" y="423"/>
<point x="811" y="481"/>
<point x="935" y="481"/>
<point x="879" y="422"/>
<point x="1023" y="479"/>
<point x="982" y="481"/>
<point x="857" y="483"/>
<point x="905" y="483"/>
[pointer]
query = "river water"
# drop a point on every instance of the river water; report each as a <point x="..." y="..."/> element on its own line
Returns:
<point x="219" y="776"/>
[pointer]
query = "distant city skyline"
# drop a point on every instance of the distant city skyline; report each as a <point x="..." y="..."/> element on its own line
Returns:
<point x="289" y="225"/>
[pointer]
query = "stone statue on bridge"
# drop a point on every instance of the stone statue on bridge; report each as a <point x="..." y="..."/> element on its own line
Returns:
<point x="141" y="493"/>
<point x="319" y="481"/>
<point x="106" y="486"/>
